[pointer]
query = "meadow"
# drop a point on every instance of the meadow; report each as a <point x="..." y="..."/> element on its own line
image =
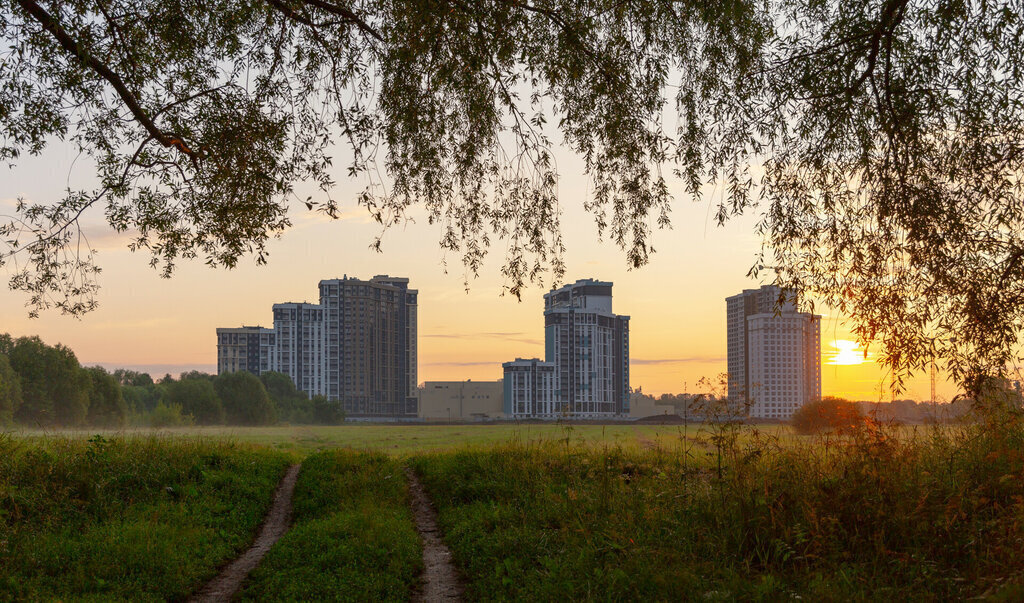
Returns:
<point x="530" y="512"/>
<point x="406" y="439"/>
<point x="137" y="518"/>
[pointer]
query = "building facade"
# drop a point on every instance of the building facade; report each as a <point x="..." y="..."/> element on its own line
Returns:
<point x="530" y="390"/>
<point x="774" y="353"/>
<point x="243" y="349"/>
<point x="588" y="345"/>
<point x="370" y="346"/>
<point x="357" y="346"/>
<point x="461" y="401"/>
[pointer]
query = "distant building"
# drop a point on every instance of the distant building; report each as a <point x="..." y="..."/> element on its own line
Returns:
<point x="589" y="346"/>
<point x="244" y="349"/>
<point x="299" y="331"/>
<point x="461" y="400"/>
<point x="585" y="372"/>
<point x="371" y="345"/>
<point x="774" y="352"/>
<point x="531" y="390"/>
<point x="357" y="346"/>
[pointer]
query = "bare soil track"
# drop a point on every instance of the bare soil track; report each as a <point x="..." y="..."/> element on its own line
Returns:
<point x="227" y="583"/>
<point x="440" y="581"/>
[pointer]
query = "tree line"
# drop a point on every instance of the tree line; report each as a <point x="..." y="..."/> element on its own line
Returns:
<point x="45" y="386"/>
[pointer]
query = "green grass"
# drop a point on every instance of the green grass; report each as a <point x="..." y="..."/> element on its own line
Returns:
<point x="352" y="538"/>
<point x="404" y="440"/>
<point x="138" y="518"/>
<point x="935" y="516"/>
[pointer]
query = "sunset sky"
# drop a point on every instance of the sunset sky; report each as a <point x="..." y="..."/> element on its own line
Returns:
<point x="676" y="303"/>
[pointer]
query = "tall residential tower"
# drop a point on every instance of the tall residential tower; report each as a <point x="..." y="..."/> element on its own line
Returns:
<point x="585" y="372"/>
<point x="774" y="355"/>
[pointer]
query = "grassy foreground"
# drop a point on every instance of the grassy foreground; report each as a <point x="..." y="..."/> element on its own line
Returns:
<point x="138" y="518"/>
<point x="403" y="440"/>
<point x="352" y="538"/>
<point x="863" y="517"/>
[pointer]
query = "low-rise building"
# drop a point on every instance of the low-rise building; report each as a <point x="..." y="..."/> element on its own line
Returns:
<point x="461" y="401"/>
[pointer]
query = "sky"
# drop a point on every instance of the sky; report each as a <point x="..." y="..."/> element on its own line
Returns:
<point x="676" y="302"/>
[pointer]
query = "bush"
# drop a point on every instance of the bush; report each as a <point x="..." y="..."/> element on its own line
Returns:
<point x="326" y="412"/>
<point x="168" y="415"/>
<point x="827" y="414"/>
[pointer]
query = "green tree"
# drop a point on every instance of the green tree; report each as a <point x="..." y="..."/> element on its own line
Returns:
<point x="55" y="390"/>
<point x="327" y="412"/>
<point x="141" y="399"/>
<point x="196" y="375"/>
<point x="829" y="414"/>
<point x="195" y="397"/>
<point x="107" y="406"/>
<point x="883" y="137"/>
<point x="133" y="378"/>
<point x="245" y="399"/>
<point x="291" y="403"/>
<point x="10" y="391"/>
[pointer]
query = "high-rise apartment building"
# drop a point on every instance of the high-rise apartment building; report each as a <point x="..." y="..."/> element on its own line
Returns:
<point x="357" y="346"/>
<point x="589" y="346"/>
<point x="774" y="352"/>
<point x="299" y="330"/>
<point x="371" y="354"/>
<point x="585" y="372"/>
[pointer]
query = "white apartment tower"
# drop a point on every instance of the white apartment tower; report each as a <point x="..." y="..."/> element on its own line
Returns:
<point x="589" y="347"/>
<point x="774" y="356"/>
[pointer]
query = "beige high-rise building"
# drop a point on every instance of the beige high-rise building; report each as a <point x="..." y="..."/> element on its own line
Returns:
<point x="774" y="354"/>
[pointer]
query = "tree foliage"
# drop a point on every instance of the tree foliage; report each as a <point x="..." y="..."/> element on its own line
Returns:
<point x="245" y="399"/>
<point x="10" y="391"/>
<point x="290" y="403"/>
<point x="327" y="412"/>
<point x="107" y="406"/>
<point x="55" y="390"/>
<point x="889" y="132"/>
<point x="196" y="397"/>
<point x="132" y="378"/>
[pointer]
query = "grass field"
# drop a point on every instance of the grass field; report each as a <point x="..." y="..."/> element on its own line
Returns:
<point x="406" y="439"/>
<point x="531" y="512"/>
<point x="352" y="537"/>
<point x="863" y="517"/>
<point x="140" y="518"/>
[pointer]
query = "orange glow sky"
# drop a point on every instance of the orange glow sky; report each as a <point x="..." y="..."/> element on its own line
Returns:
<point x="677" y="303"/>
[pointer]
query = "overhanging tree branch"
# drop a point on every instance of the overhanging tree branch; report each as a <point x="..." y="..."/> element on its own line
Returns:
<point x="68" y="43"/>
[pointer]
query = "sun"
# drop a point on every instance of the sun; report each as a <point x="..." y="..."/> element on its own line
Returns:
<point x="846" y="352"/>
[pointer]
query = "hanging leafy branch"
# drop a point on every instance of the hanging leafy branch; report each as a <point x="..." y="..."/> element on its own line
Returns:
<point x="881" y="139"/>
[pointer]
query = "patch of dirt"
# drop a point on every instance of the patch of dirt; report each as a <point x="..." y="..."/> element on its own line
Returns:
<point x="645" y="443"/>
<point x="227" y="583"/>
<point x="440" y="580"/>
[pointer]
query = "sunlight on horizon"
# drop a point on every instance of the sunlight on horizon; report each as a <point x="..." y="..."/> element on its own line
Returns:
<point x="845" y="352"/>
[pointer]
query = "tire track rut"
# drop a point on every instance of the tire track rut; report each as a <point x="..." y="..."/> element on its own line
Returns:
<point x="227" y="583"/>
